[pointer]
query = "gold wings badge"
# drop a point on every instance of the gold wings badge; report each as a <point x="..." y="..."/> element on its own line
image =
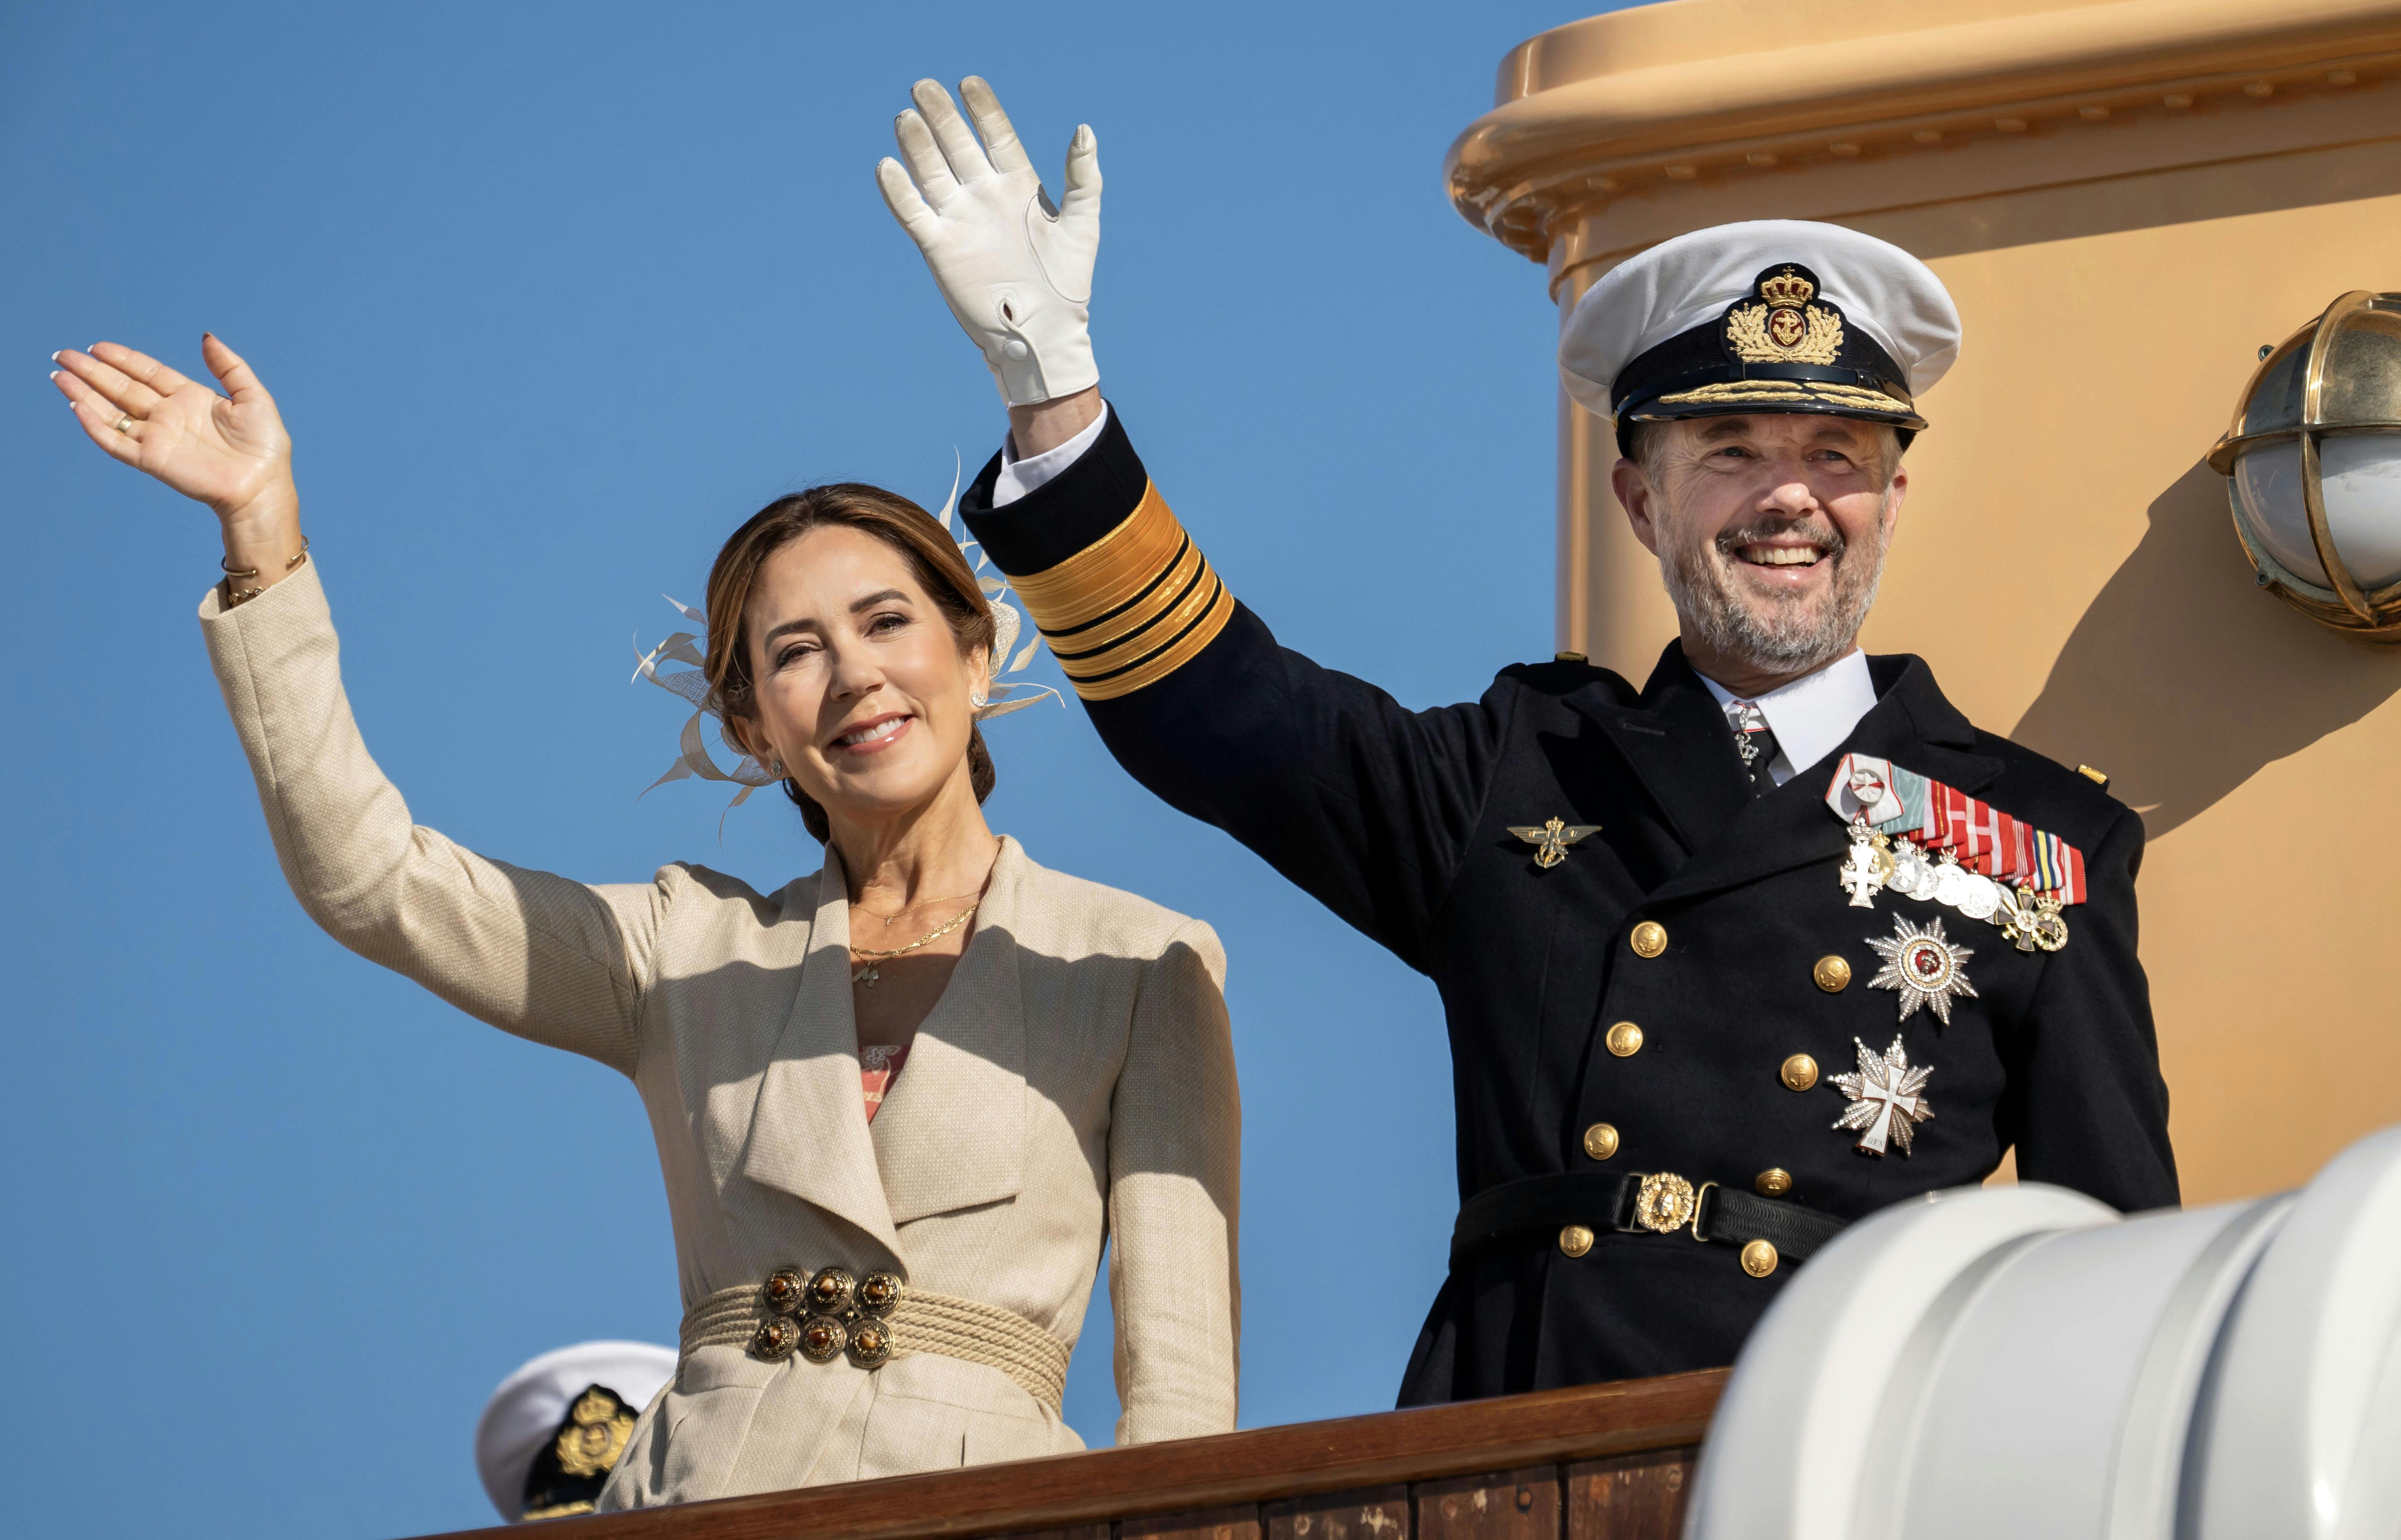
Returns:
<point x="1551" y="841"/>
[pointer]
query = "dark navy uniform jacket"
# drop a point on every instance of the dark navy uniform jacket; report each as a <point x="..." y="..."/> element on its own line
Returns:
<point x="1398" y="821"/>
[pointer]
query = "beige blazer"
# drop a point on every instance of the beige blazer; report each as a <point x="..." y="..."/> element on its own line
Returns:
<point x="1075" y="1086"/>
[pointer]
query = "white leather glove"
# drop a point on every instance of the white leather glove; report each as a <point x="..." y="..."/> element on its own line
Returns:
<point x="1016" y="269"/>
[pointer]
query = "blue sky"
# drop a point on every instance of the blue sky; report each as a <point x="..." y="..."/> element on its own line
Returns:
<point x="553" y="297"/>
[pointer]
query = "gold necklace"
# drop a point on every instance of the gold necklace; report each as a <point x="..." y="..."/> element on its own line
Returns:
<point x="871" y="975"/>
<point x="898" y="915"/>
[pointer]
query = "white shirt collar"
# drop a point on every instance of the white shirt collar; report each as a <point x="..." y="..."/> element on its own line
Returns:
<point x="1811" y="716"/>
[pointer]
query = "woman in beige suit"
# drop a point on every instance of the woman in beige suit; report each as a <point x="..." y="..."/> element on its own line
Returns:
<point x="869" y="1290"/>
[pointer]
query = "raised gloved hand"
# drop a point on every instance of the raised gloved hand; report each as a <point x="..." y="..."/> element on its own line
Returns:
<point x="1016" y="269"/>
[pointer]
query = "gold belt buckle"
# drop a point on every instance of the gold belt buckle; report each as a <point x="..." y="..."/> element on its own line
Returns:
<point x="1664" y="1204"/>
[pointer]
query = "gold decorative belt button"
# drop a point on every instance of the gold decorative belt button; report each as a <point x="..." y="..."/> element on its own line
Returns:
<point x="775" y="1340"/>
<point x="829" y="1292"/>
<point x="787" y="1290"/>
<point x="871" y="1342"/>
<point x="823" y="1338"/>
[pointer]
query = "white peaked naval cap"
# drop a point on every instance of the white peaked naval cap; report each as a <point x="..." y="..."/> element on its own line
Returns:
<point x="524" y="1412"/>
<point x="1864" y="320"/>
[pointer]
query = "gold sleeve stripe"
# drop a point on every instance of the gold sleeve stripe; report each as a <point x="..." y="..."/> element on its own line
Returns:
<point x="1132" y="607"/>
<point x="1131" y="619"/>
<point x="1106" y="573"/>
<point x="1191" y="627"/>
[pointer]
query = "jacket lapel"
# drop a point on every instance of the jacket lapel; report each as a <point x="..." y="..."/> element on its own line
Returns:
<point x="1677" y="743"/>
<point x="952" y="1130"/>
<point x="1911" y="724"/>
<point x="808" y="1131"/>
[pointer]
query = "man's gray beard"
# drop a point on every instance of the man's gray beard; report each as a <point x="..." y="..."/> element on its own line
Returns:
<point x="1783" y="638"/>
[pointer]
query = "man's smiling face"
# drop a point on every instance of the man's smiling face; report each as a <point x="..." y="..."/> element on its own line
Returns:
<point x="1771" y="533"/>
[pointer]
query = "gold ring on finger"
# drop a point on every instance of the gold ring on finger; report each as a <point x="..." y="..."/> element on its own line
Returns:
<point x="124" y="422"/>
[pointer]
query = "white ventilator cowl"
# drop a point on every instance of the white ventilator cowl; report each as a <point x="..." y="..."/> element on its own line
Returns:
<point x="1690" y="281"/>
<point x="524" y="1413"/>
<point x="1016" y="271"/>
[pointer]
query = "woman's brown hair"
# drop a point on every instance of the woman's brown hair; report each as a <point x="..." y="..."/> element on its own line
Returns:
<point x="890" y="517"/>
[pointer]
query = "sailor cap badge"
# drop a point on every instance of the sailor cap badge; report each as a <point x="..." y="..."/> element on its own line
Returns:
<point x="1781" y="326"/>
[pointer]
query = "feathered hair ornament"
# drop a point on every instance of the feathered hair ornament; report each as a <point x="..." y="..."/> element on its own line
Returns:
<point x="692" y="684"/>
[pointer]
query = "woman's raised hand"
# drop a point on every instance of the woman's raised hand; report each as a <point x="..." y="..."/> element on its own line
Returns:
<point x="229" y="451"/>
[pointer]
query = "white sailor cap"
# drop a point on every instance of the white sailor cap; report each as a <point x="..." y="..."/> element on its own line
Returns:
<point x="552" y="1432"/>
<point x="1770" y="315"/>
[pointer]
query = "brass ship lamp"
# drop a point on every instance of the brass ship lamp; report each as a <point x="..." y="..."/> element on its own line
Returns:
<point x="2314" y="467"/>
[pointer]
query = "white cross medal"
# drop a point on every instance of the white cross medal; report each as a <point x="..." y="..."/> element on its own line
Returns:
<point x="1866" y="869"/>
<point x="1885" y="1102"/>
<point x="1924" y="965"/>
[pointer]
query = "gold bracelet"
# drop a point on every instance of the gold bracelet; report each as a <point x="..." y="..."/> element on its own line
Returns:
<point x="236" y="598"/>
<point x="253" y="572"/>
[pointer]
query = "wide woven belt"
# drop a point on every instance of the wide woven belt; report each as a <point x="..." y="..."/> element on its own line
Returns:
<point x="1633" y="1201"/>
<point x="871" y="1320"/>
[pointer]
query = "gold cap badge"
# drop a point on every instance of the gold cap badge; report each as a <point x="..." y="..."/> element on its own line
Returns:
<point x="1782" y="327"/>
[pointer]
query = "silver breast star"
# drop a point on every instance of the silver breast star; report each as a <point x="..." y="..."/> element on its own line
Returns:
<point x="1885" y="1101"/>
<point x="1926" y="968"/>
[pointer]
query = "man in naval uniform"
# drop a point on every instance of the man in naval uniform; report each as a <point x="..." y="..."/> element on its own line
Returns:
<point x="1737" y="956"/>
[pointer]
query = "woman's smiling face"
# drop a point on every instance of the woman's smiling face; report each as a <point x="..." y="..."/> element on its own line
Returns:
<point x="858" y="683"/>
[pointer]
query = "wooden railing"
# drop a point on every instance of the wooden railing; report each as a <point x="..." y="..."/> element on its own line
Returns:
<point x="1593" y="1462"/>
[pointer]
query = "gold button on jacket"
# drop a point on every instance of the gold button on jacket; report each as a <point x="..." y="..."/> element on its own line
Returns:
<point x="1775" y="1182"/>
<point x="1601" y="1141"/>
<point x="1832" y="973"/>
<point x="1575" y="1240"/>
<point x="1625" y="1040"/>
<point x="1799" y="1072"/>
<point x="1758" y="1258"/>
<point x="1650" y="938"/>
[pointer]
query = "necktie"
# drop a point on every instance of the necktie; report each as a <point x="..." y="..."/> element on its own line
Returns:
<point x="1754" y="741"/>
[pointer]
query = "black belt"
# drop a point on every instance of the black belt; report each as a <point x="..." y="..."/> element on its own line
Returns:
<point x="1634" y="1202"/>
